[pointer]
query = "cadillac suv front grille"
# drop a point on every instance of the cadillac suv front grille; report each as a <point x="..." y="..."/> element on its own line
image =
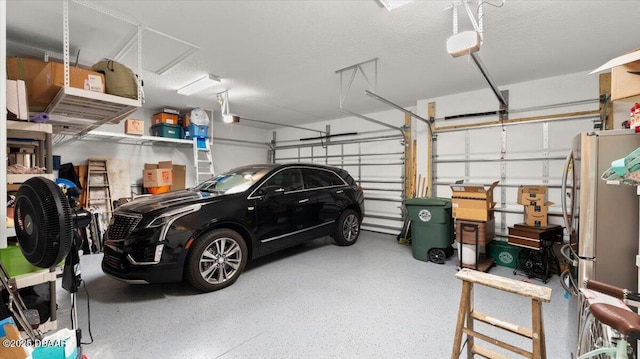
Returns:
<point x="122" y="226"/>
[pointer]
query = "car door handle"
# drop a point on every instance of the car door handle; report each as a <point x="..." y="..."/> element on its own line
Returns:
<point x="339" y="191"/>
<point x="303" y="200"/>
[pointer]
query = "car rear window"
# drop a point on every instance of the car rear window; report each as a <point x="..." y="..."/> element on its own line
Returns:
<point x="315" y="178"/>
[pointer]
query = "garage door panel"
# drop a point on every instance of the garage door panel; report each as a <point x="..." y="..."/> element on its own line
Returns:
<point x="451" y="143"/>
<point x="485" y="141"/>
<point x="481" y="172"/>
<point x="562" y="132"/>
<point x="527" y="140"/>
<point x="451" y="170"/>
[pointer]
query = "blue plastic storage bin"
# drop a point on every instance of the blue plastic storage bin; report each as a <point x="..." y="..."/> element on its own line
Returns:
<point x="195" y="131"/>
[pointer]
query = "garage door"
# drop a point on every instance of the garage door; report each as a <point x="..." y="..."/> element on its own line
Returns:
<point x="375" y="160"/>
<point x="517" y="154"/>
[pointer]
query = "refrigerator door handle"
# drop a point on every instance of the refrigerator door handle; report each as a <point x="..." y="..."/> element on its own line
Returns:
<point x="565" y="176"/>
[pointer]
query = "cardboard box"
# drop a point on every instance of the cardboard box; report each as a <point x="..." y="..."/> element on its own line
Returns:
<point x="536" y="215"/>
<point x="625" y="84"/>
<point x="156" y="175"/>
<point x="163" y="117"/>
<point x="531" y="195"/>
<point x="179" y="177"/>
<point x="473" y="202"/>
<point x="134" y="127"/>
<point x="186" y="119"/>
<point x="19" y="68"/>
<point x="50" y="80"/>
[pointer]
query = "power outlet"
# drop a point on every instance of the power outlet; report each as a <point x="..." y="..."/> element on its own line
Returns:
<point x="638" y="260"/>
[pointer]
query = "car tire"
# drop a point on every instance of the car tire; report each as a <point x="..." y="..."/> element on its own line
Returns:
<point x="348" y="228"/>
<point x="216" y="260"/>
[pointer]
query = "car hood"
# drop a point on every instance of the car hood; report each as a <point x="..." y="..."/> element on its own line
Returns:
<point x="168" y="200"/>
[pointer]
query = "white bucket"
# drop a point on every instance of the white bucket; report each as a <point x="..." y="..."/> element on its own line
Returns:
<point x="468" y="252"/>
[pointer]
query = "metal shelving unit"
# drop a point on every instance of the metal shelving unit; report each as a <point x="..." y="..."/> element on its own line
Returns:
<point x="40" y="134"/>
<point x="77" y="111"/>
<point x="134" y="140"/>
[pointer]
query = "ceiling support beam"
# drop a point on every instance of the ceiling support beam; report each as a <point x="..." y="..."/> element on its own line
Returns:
<point x="354" y="69"/>
<point x="372" y="84"/>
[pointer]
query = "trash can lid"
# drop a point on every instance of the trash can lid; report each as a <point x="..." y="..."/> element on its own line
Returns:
<point x="428" y="202"/>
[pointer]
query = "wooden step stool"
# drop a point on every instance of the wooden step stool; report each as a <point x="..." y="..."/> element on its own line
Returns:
<point x="466" y="316"/>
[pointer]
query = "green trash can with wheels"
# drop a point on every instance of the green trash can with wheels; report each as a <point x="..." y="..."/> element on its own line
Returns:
<point x="431" y="228"/>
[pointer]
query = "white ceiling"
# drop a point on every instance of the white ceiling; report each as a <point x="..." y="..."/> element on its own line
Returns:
<point x="278" y="58"/>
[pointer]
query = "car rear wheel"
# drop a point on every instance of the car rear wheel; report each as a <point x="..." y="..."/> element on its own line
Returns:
<point x="216" y="260"/>
<point x="348" y="228"/>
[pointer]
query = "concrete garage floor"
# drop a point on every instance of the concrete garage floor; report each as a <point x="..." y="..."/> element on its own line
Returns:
<point x="318" y="300"/>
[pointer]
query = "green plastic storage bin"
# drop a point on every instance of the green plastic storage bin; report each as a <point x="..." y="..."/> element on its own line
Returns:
<point x="15" y="263"/>
<point x="504" y="253"/>
<point x="166" y="130"/>
<point x="431" y="228"/>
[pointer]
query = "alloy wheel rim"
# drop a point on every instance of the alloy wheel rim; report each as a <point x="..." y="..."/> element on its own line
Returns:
<point x="220" y="261"/>
<point x="350" y="228"/>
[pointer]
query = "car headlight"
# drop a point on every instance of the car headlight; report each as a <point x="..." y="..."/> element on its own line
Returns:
<point x="167" y="218"/>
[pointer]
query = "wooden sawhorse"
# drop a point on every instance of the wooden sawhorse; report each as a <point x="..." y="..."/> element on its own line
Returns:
<point x="466" y="316"/>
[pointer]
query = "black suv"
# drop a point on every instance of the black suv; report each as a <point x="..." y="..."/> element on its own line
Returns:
<point x="206" y="234"/>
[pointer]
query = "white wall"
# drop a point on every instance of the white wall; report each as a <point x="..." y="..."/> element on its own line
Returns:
<point x="226" y="154"/>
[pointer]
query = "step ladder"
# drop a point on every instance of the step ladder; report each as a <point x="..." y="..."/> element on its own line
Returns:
<point x="99" y="193"/>
<point x="202" y="158"/>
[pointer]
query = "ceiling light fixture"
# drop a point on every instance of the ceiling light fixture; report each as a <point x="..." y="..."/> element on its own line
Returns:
<point x="394" y="4"/>
<point x="199" y="85"/>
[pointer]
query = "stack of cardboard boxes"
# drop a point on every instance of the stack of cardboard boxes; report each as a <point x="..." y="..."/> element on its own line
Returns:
<point x="473" y="210"/>
<point x="535" y="206"/>
<point x="163" y="174"/>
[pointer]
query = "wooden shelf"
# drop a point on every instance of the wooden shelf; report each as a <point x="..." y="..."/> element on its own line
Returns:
<point x="77" y="111"/>
<point x="21" y="178"/>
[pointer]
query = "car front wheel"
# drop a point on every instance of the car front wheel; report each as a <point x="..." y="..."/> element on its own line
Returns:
<point x="348" y="228"/>
<point x="216" y="260"/>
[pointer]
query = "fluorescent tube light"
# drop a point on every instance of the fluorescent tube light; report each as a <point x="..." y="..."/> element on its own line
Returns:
<point x="199" y="85"/>
<point x="394" y="4"/>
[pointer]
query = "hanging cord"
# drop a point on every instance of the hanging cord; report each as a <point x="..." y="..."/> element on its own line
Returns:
<point x="84" y="285"/>
<point x="482" y="2"/>
<point x="489" y="3"/>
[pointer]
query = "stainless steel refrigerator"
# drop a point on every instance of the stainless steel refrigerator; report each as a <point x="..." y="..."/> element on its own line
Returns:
<point x="605" y="215"/>
<point x="601" y="217"/>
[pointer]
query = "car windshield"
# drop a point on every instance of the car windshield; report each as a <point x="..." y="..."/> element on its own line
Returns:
<point x="233" y="181"/>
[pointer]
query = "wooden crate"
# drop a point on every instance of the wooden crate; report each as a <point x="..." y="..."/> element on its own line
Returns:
<point x="467" y="234"/>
